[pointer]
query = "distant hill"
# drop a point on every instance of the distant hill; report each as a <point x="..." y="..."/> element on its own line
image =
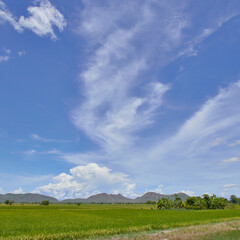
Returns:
<point x="26" y="198"/>
<point x="118" y="198"/>
<point x="108" y="198"/>
<point x="149" y="196"/>
<point x="101" y="198"/>
<point x="98" y="198"/>
<point x="152" y="196"/>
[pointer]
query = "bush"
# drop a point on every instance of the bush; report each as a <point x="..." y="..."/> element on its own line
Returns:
<point x="190" y="201"/>
<point x="150" y="202"/>
<point x="164" y="203"/>
<point x="234" y="199"/>
<point x="45" y="202"/>
<point x="8" y="202"/>
<point x="178" y="203"/>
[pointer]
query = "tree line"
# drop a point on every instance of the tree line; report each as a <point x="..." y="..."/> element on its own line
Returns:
<point x="198" y="203"/>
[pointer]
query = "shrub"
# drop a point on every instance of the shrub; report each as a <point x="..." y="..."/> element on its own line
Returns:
<point x="150" y="202"/>
<point x="8" y="202"/>
<point x="178" y="203"/>
<point x="190" y="201"/>
<point x="164" y="203"/>
<point x="45" y="202"/>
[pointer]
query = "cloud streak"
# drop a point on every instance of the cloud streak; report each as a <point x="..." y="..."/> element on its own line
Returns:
<point x="111" y="113"/>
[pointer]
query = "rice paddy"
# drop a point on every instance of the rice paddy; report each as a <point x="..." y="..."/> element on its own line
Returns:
<point x="75" y="222"/>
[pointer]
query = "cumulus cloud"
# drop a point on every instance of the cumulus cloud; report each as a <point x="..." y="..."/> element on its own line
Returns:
<point x="41" y="21"/>
<point x="18" y="191"/>
<point x="188" y="192"/>
<point x="85" y="180"/>
<point x="158" y="189"/>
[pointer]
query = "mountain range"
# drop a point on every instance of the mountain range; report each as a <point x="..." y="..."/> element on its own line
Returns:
<point x="98" y="198"/>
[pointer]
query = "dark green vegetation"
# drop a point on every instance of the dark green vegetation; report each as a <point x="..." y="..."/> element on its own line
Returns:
<point x="45" y="202"/>
<point x="73" y="221"/>
<point x="234" y="199"/>
<point x="197" y="203"/>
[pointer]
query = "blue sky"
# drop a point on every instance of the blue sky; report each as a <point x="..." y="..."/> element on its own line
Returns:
<point x="119" y="97"/>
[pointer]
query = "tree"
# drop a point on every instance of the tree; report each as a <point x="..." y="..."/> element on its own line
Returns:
<point x="190" y="201"/>
<point x="45" y="202"/>
<point x="8" y="202"/>
<point x="206" y="201"/>
<point x="164" y="203"/>
<point x="178" y="203"/>
<point x="233" y="199"/>
<point x="150" y="202"/>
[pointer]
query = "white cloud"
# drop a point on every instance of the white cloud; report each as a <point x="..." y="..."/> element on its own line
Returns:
<point x="1" y="191"/>
<point x="215" y="118"/>
<point x="4" y="58"/>
<point x="21" y="53"/>
<point x="111" y="113"/>
<point x="218" y="141"/>
<point x="41" y="21"/>
<point x="234" y="144"/>
<point x="7" y="51"/>
<point x="85" y="180"/>
<point x="39" y="138"/>
<point x="18" y="191"/>
<point x="231" y="160"/>
<point x="158" y="189"/>
<point x="230" y="185"/>
<point x="30" y="152"/>
<point x="189" y="193"/>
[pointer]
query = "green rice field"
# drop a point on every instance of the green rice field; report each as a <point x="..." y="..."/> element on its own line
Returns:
<point x="87" y="220"/>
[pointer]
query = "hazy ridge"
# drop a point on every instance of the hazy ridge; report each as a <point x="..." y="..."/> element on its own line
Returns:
<point x="98" y="198"/>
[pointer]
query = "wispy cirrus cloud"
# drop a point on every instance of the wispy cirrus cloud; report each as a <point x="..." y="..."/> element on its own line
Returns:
<point x="234" y="144"/>
<point x="41" y="21"/>
<point x="231" y="160"/>
<point x="231" y="185"/>
<point x="122" y="98"/>
<point x="111" y="113"/>
<point x="123" y="94"/>
<point x="36" y="137"/>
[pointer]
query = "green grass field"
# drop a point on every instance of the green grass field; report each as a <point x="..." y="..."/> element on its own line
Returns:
<point x="72" y="221"/>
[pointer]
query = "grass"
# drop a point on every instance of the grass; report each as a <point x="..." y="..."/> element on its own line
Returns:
<point x="230" y="235"/>
<point x="74" y="222"/>
<point x="229" y="230"/>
